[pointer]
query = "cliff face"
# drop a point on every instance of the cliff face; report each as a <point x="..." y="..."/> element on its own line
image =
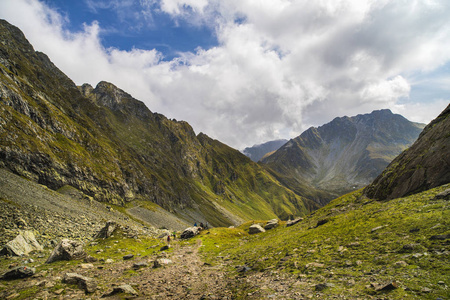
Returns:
<point x="426" y="164"/>
<point x="345" y="154"/>
<point x="113" y="148"/>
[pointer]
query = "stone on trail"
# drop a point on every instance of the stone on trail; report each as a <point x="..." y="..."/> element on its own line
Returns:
<point x="271" y="224"/>
<point x="140" y="265"/>
<point x="18" y="272"/>
<point x="164" y="248"/>
<point x="22" y="244"/>
<point x="256" y="228"/>
<point x="67" y="250"/>
<point x="190" y="232"/>
<point x="87" y="284"/>
<point x="161" y="262"/>
<point x="124" y="288"/>
<point x="106" y="231"/>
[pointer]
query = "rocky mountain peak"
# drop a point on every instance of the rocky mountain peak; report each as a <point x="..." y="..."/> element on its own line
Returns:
<point x="424" y="165"/>
<point x="346" y="153"/>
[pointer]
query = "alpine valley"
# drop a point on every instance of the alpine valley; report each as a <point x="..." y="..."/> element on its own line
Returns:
<point x="99" y="195"/>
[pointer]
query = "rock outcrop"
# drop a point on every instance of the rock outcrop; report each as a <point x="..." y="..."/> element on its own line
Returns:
<point x="18" y="273"/>
<point x="271" y="224"/>
<point x="190" y="232"/>
<point x="106" y="231"/>
<point x="87" y="284"/>
<point x="67" y="250"/>
<point x="424" y="165"/>
<point x="255" y="228"/>
<point x="23" y="244"/>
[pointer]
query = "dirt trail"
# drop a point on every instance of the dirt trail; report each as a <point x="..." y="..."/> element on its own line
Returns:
<point x="187" y="277"/>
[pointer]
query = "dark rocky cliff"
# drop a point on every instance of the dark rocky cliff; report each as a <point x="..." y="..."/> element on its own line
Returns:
<point x="425" y="165"/>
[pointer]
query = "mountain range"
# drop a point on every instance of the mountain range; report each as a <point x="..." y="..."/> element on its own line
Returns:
<point x="256" y="152"/>
<point x="113" y="149"/>
<point x="343" y="155"/>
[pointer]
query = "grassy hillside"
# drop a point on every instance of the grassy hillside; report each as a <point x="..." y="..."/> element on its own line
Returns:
<point x="362" y="246"/>
<point x="111" y="147"/>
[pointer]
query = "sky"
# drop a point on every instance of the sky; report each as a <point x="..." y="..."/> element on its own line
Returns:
<point x="250" y="71"/>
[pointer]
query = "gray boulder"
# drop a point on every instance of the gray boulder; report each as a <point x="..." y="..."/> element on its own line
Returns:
<point x="443" y="195"/>
<point x="67" y="250"/>
<point x="255" y="228"/>
<point x="190" y="232"/>
<point x="271" y="224"/>
<point x="106" y="231"/>
<point x="18" y="272"/>
<point x="87" y="284"/>
<point x="124" y="288"/>
<point x="22" y="244"/>
<point x="161" y="262"/>
<point x="293" y="222"/>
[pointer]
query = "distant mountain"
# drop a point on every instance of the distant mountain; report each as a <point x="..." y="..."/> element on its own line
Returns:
<point x="343" y="155"/>
<point x="113" y="149"/>
<point x="425" y="165"/>
<point x="256" y="152"/>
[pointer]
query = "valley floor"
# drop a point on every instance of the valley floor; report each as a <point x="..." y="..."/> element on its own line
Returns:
<point x="350" y="249"/>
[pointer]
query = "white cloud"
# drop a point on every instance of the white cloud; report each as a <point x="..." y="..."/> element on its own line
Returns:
<point x="280" y="65"/>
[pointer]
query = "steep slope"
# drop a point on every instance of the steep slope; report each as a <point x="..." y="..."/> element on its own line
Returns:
<point x="345" y="154"/>
<point x="426" y="164"/>
<point x="108" y="145"/>
<point x="256" y="152"/>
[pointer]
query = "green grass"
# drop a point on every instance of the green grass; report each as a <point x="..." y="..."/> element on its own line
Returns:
<point x="349" y="248"/>
<point x="119" y="245"/>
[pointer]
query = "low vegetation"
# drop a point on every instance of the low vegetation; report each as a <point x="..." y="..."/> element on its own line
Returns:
<point x="361" y="246"/>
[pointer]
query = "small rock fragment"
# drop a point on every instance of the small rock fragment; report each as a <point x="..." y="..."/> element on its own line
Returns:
<point x="87" y="284"/>
<point x="388" y="287"/>
<point x="124" y="288"/>
<point x="18" y="272"/>
<point x="128" y="256"/>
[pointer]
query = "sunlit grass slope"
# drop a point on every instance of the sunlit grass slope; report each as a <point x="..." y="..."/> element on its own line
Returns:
<point x="360" y="240"/>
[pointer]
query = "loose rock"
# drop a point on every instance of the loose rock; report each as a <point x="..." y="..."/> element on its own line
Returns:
<point x="388" y="287"/>
<point x="293" y="222"/>
<point x="440" y="237"/>
<point x="18" y="272"/>
<point x="255" y="228"/>
<point x="160" y="262"/>
<point x="87" y="284"/>
<point x="124" y="288"/>
<point x="443" y="195"/>
<point x="23" y="244"/>
<point x="67" y="250"/>
<point x="106" y="231"/>
<point x="190" y="232"/>
<point x="128" y="256"/>
<point x="271" y="224"/>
